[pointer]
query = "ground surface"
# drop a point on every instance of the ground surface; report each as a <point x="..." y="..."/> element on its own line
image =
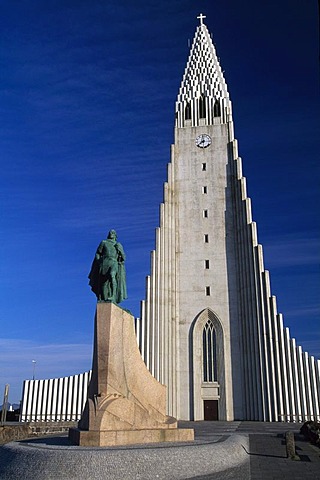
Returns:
<point x="221" y="451"/>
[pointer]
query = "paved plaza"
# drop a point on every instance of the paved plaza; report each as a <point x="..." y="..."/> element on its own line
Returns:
<point x="221" y="450"/>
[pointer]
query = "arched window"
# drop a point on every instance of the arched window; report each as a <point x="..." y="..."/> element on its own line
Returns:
<point x="217" y="109"/>
<point x="202" y="107"/>
<point x="187" y="112"/>
<point x="209" y="363"/>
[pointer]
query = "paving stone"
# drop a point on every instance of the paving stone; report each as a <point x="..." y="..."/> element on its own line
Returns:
<point x="221" y="451"/>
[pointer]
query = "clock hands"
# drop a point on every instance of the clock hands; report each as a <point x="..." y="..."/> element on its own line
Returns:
<point x="203" y="140"/>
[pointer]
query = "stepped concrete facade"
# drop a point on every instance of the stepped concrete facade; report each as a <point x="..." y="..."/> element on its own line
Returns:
<point x="55" y="399"/>
<point x="209" y="327"/>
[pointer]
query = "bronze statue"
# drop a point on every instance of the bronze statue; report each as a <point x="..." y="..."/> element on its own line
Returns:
<point x="107" y="277"/>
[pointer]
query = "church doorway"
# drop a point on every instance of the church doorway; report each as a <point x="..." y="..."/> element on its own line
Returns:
<point x="210" y="408"/>
<point x="207" y="367"/>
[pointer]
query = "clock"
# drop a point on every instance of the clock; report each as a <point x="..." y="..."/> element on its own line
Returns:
<point x="203" y="141"/>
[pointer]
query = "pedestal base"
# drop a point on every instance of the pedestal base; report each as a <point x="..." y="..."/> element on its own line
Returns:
<point x="110" y="438"/>
<point x="126" y="405"/>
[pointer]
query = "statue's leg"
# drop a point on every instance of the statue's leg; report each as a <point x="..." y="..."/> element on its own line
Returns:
<point x="100" y="289"/>
<point x="105" y="291"/>
<point x="113" y="285"/>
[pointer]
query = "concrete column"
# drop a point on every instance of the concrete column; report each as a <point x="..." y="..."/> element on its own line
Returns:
<point x="285" y="415"/>
<point x="292" y="404"/>
<point x="305" y="360"/>
<point x="314" y="382"/>
<point x="278" y="363"/>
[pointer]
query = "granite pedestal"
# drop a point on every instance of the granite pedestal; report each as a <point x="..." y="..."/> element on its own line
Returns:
<point x="126" y="404"/>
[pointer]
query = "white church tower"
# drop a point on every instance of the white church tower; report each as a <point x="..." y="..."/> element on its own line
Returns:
<point x="209" y="327"/>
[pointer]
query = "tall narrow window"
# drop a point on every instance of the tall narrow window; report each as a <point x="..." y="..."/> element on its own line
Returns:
<point x="202" y="107"/>
<point x="205" y="190"/>
<point x="208" y="291"/>
<point x="205" y="213"/>
<point x="187" y="112"/>
<point x="217" y="109"/>
<point x="206" y="264"/>
<point x="206" y="238"/>
<point x="204" y="167"/>
<point x="209" y="364"/>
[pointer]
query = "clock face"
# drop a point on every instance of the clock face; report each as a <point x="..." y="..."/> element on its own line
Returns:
<point x="203" y="141"/>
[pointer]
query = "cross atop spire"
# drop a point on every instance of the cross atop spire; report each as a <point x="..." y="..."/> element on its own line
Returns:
<point x="201" y="17"/>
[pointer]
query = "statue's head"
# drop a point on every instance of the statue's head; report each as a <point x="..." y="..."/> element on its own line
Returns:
<point x="112" y="234"/>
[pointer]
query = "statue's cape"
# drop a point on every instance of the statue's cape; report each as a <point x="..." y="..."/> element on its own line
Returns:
<point x="94" y="277"/>
<point x="121" y="283"/>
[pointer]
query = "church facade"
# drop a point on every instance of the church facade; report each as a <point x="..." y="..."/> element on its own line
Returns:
<point x="209" y="327"/>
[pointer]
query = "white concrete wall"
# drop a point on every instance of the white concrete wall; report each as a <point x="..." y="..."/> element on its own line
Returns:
<point x="55" y="399"/>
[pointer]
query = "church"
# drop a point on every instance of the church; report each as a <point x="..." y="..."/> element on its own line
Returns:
<point x="209" y="328"/>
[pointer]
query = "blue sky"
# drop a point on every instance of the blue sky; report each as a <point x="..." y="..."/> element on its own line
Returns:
<point x="87" y="99"/>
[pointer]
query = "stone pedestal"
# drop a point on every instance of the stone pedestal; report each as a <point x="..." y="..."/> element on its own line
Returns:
<point x="126" y="404"/>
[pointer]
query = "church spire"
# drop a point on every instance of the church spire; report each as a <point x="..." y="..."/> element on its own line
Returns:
<point x="203" y="98"/>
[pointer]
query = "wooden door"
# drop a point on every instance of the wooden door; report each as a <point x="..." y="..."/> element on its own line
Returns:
<point x="210" y="409"/>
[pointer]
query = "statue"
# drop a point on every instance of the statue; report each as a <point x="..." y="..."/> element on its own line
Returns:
<point x="107" y="277"/>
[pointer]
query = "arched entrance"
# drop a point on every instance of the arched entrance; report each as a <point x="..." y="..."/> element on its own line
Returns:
<point x="208" y="398"/>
